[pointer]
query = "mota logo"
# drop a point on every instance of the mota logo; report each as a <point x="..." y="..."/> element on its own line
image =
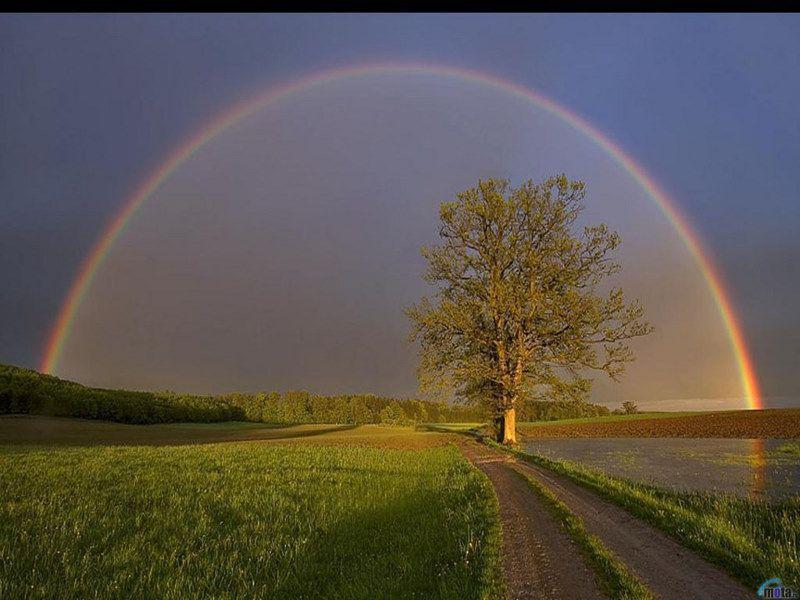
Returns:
<point x="773" y="588"/>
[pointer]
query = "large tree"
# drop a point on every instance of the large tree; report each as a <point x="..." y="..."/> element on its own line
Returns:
<point x="519" y="309"/>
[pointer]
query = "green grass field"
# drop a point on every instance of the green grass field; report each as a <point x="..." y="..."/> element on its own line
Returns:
<point x="613" y="418"/>
<point x="351" y="516"/>
<point x="453" y="427"/>
<point x="62" y="431"/>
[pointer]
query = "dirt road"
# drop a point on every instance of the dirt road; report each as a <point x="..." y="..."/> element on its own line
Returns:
<point x="540" y="561"/>
<point x="666" y="567"/>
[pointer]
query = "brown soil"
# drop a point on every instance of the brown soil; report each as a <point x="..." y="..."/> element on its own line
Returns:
<point x="666" y="567"/>
<point x="539" y="559"/>
<point x="773" y="423"/>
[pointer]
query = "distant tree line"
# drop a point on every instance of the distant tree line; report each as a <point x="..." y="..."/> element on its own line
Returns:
<point x="554" y="410"/>
<point x="304" y="407"/>
<point x="24" y="391"/>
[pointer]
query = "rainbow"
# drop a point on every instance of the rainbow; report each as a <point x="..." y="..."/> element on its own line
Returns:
<point x="94" y="260"/>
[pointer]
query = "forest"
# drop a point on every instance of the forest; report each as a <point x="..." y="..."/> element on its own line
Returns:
<point x="24" y="391"/>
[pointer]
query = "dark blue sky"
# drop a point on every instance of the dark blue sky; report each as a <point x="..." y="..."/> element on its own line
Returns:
<point x="89" y="105"/>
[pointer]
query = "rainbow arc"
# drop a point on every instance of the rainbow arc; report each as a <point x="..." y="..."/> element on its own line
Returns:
<point x="94" y="260"/>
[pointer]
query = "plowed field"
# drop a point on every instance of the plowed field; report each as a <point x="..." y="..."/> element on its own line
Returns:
<point x="771" y="423"/>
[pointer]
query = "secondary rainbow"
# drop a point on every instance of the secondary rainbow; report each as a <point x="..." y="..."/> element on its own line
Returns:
<point x="95" y="259"/>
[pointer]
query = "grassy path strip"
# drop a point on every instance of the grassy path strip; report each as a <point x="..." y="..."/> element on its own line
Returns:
<point x="749" y="539"/>
<point x="614" y="578"/>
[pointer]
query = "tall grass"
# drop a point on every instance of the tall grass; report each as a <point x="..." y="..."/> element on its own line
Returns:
<point x="245" y="520"/>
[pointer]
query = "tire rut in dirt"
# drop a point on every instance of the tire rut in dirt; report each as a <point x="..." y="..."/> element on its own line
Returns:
<point x="539" y="559"/>
<point x="667" y="568"/>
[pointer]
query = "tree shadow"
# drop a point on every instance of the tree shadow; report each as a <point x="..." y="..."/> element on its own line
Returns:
<point x="30" y="430"/>
<point x="386" y="551"/>
<point x="313" y="432"/>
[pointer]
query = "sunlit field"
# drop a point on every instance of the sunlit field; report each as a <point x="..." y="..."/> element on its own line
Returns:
<point x="42" y="430"/>
<point x="357" y="518"/>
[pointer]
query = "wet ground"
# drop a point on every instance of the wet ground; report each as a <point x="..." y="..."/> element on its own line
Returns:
<point x="746" y="467"/>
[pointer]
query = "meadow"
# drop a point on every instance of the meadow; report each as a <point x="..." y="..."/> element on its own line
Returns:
<point x="61" y="431"/>
<point x="353" y="515"/>
<point x="244" y="509"/>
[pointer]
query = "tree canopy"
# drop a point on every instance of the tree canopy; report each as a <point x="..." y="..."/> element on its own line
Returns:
<point x="519" y="310"/>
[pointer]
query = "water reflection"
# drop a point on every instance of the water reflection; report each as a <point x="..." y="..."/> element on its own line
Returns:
<point x="750" y="468"/>
<point x="758" y="454"/>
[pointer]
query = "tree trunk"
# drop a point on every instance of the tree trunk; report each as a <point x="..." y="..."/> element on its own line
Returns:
<point x="508" y="430"/>
<point x="497" y="428"/>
